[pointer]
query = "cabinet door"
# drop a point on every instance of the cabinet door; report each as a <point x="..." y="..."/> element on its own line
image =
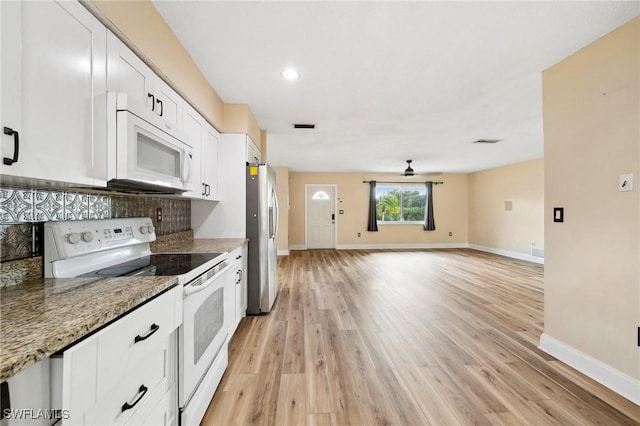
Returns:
<point x="243" y="276"/>
<point x="253" y="152"/>
<point x="168" y="105"/>
<point x="53" y="91"/>
<point x="128" y="74"/>
<point x="210" y="163"/>
<point x="193" y="129"/>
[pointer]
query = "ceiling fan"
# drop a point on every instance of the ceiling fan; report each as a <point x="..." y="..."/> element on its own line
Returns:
<point x="408" y="172"/>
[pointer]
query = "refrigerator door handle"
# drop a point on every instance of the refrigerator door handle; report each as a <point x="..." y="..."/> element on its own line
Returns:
<point x="277" y="213"/>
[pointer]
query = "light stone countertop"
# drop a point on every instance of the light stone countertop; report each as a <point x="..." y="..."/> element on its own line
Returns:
<point x="213" y="245"/>
<point x="39" y="317"/>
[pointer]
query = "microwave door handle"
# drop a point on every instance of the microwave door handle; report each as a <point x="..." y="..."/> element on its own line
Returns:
<point x="186" y="166"/>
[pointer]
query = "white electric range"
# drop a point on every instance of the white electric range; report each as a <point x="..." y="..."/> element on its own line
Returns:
<point x="120" y="248"/>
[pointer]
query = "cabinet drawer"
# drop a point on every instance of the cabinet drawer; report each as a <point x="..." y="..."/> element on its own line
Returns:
<point x="130" y="340"/>
<point x="150" y="375"/>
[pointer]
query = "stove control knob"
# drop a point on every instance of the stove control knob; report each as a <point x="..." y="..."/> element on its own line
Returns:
<point x="151" y="229"/>
<point x="74" y="238"/>
<point x="144" y="229"/>
<point x="87" y="237"/>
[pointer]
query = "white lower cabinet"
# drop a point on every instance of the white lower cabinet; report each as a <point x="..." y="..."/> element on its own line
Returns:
<point x="126" y="372"/>
<point x="239" y="257"/>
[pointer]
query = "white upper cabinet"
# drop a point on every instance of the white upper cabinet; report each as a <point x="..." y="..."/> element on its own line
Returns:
<point x="193" y="130"/>
<point x="168" y="104"/>
<point x="53" y="83"/>
<point x="205" y="140"/>
<point x="253" y="152"/>
<point x="127" y="73"/>
<point x="211" y="163"/>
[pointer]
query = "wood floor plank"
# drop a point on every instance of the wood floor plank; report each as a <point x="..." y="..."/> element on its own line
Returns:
<point x="318" y="390"/>
<point x="322" y="419"/>
<point x="405" y="337"/>
<point x="291" y="405"/>
<point x="294" y="360"/>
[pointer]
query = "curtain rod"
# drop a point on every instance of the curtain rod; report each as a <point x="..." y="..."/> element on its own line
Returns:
<point x="382" y="181"/>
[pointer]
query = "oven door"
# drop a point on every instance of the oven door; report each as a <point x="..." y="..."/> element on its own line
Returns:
<point x="147" y="155"/>
<point x="203" y="333"/>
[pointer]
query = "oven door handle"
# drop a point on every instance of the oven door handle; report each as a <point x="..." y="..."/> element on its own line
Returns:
<point x="191" y="289"/>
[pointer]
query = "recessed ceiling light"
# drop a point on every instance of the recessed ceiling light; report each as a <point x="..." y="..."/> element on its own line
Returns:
<point x="290" y="74"/>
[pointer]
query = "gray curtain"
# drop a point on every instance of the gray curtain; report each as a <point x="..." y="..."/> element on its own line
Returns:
<point x="429" y="223"/>
<point x="373" y="221"/>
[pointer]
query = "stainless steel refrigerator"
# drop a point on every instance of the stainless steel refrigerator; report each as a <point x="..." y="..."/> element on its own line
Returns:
<point x="262" y="225"/>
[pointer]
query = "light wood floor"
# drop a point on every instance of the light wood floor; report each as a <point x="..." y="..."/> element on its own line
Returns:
<point x="440" y="337"/>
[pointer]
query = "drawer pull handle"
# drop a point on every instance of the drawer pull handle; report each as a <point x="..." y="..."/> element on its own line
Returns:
<point x="142" y="391"/>
<point x="154" y="327"/>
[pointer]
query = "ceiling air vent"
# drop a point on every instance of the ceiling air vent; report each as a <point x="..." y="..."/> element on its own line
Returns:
<point x="487" y="141"/>
<point x="304" y="126"/>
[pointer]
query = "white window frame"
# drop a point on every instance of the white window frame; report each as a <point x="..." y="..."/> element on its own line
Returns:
<point x="403" y="187"/>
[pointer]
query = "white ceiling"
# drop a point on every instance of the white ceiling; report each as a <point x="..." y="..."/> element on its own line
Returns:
<point x="390" y="81"/>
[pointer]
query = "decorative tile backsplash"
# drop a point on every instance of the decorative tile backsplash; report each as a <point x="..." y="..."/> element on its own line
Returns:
<point x="23" y="212"/>
<point x="16" y="241"/>
<point x="16" y="205"/>
<point x="35" y="205"/>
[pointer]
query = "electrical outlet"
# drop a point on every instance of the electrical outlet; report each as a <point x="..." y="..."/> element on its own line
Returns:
<point x="159" y="214"/>
<point x="451" y="234"/>
<point x="359" y="234"/>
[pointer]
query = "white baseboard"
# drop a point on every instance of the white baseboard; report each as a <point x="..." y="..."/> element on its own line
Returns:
<point x="617" y="381"/>
<point x="508" y="253"/>
<point x="298" y="247"/>
<point x="282" y="252"/>
<point x="401" y="246"/>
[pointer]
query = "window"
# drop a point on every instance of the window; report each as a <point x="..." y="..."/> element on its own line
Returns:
<point x="402" y="203"/>
<point x="320" y="195"/>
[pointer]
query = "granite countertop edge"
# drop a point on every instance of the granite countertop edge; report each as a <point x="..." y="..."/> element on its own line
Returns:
<point x="39" y="317"/>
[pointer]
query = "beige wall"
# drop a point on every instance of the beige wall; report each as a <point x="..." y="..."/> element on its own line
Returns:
<point x="149" y="35"/>
<point x="282" y="192"/>
<point x="450" y="210"/>
<point x="238" y="118"/>
<point x="591" y="109"/>
<point x="146" y="32"/>
<point x="490" y="224"/>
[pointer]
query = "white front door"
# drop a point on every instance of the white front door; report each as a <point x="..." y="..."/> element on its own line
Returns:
<point x="321" y="223"/>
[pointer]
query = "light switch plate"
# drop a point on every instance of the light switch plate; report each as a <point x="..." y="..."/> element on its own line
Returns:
<point x="625" y="182"/>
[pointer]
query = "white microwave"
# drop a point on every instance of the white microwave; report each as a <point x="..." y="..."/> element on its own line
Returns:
<point x="149" y="157"/>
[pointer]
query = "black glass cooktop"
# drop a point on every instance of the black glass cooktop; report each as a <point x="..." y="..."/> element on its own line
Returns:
<point x="156" y="265"/>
